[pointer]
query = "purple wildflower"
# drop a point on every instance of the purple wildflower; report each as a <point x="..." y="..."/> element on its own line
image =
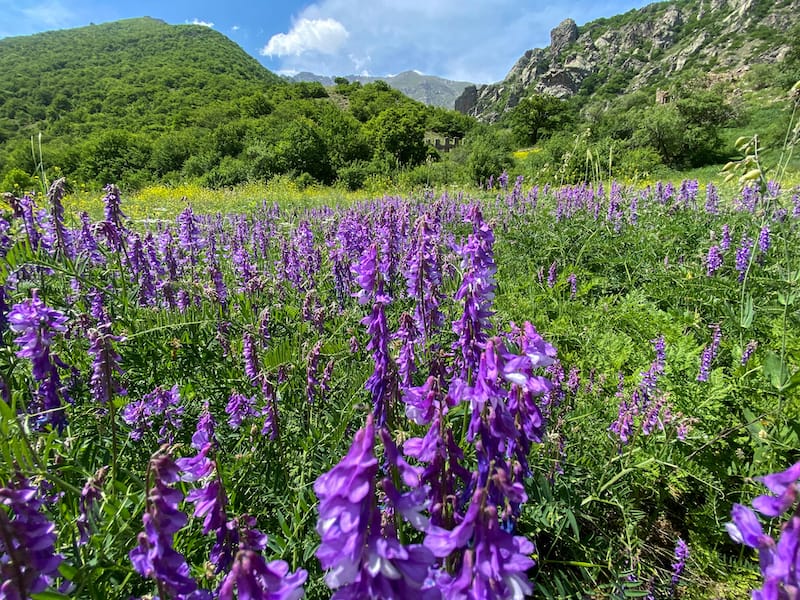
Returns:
<point x="681" y="554"/>
<point x="551" y="275"/>
<point x="407" y="334"/>
<point x="713" y="260"/>
<point x="382" y="384"/>
<point x="37" y="325"/>
<point x="312" y="363"/>
<point x="748" y="351"/>
<point x="251" y="366"/>
<point x="106" y="369"/>
<point x="573" y="285"/>
<point x="343" y="523"/>
<point x="477" y="291"/>
<point x="28" y="561"/>
<point x="154" y="556"/>
<point x="712" y="199"/>
<point x="743" y="256"/>
<point x="493" y="562"/>
<point x="424" y="277"/>
<point x="777" y="559"/>
<point x="92" y="491"/>
<point x="113" y="211"/>
<point x="62" y="236"/>
<point x="255" y="579"/>
<point x="159" y="405"/>
<point x="763" y="240"/>
<point x="502" y="180"/>
<point x="240" y="408"/>
<point x="359" y="549"/>
<point x="687" y="194"/>
<point x="87" y="243"/>
<point x="725" y="242"/>
<point x="27" y="207"/>
<point x="709" y="354"/>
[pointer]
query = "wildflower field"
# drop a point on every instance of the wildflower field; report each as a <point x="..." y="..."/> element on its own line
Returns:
<point x="568" y="392"/>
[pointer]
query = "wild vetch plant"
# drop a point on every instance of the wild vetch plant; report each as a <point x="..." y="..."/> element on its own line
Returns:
<point x="365" y="400"/>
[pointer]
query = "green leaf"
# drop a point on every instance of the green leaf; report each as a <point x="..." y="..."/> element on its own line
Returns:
<point x="49" y="596"/>
<point x="747" y="312"/>
<point x="776" y="372"/>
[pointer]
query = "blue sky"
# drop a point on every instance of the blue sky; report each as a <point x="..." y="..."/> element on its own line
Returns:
<point x="472" y="40"/>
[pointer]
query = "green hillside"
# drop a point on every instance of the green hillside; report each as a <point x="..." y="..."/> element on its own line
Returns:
<point x="138" y="101"/>
<point x="138" y="73"/>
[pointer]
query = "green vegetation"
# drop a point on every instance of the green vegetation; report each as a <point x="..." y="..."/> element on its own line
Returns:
<point x="139" y="101"/>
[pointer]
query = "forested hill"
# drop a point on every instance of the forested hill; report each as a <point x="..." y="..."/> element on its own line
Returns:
<point x="139" y="100"/>
<point x="135" y="72"/>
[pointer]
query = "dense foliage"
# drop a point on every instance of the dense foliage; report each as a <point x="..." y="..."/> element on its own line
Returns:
<point x="366" y="385"/>
<point x="140" y="101"/>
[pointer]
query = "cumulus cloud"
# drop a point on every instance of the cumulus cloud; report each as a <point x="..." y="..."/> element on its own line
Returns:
<point x="325" y="36"/>
<point x="235" y="28"/>
<point x="197" y="21"/>
<point x="477" y="41"/>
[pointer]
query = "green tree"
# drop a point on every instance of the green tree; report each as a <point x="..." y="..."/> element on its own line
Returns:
<point x="489" y="154"/>
<point x="113" y="156"/>
<point x="449" y="123"/>
<point x="536" y="116"/>
<point x="171" y="150"/>
<point x="344" y="136"/>
<point x="368" y="101"/>
<point x="302" y="149"/>
<point x="400" y="133"/>
<point x="662" y="128"/>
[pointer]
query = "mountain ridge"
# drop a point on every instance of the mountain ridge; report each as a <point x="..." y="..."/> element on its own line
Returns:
<point x="428" y="89"/>
<point x="642" y="47"/>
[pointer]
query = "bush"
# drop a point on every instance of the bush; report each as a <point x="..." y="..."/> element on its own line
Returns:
<point x="432" y="174"/>
<point x="229" y="172"/>
<point x="18" y="182"/>
<point x="353" y="176"/>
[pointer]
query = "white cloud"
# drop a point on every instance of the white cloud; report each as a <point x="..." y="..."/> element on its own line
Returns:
<point x="235" y="28"/>
<point x="476" y="41"/>
<point x="52" y="14"/>
<point x="197" y="21"/>
<point x="325" y="36"/>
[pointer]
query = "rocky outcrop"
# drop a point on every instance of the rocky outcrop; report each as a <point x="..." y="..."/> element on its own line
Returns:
<point x="562" y="36"/>
<point x="467" y="99"/>
<point x="640" y="46"/>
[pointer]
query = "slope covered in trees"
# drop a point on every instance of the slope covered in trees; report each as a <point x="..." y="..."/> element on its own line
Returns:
<point x="139" y="100"/>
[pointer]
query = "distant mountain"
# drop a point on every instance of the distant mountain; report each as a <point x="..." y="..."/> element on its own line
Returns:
<point x="427" y="89"/>
<point x="644" y="47"/>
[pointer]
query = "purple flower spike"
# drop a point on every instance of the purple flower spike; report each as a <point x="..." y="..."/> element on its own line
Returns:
<point x="160" y="405"/>
<point x="255" y="579"/>
<point x="713" y="260"/>
<point x="343" y="514"/>
<point x="106" y="369"/>
<point x="154" y="557"/>
<point x="743" y="256"/>
<point x="709" y="354"/>
<point x="113" y="211"/>
<point x="681" y="554"/>
<point x="785" y="487"/>
<point x="37" y="325"/>
<point x="28" y="562"/>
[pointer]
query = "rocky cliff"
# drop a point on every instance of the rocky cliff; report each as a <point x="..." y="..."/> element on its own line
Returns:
<point x="643" y="47"/>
